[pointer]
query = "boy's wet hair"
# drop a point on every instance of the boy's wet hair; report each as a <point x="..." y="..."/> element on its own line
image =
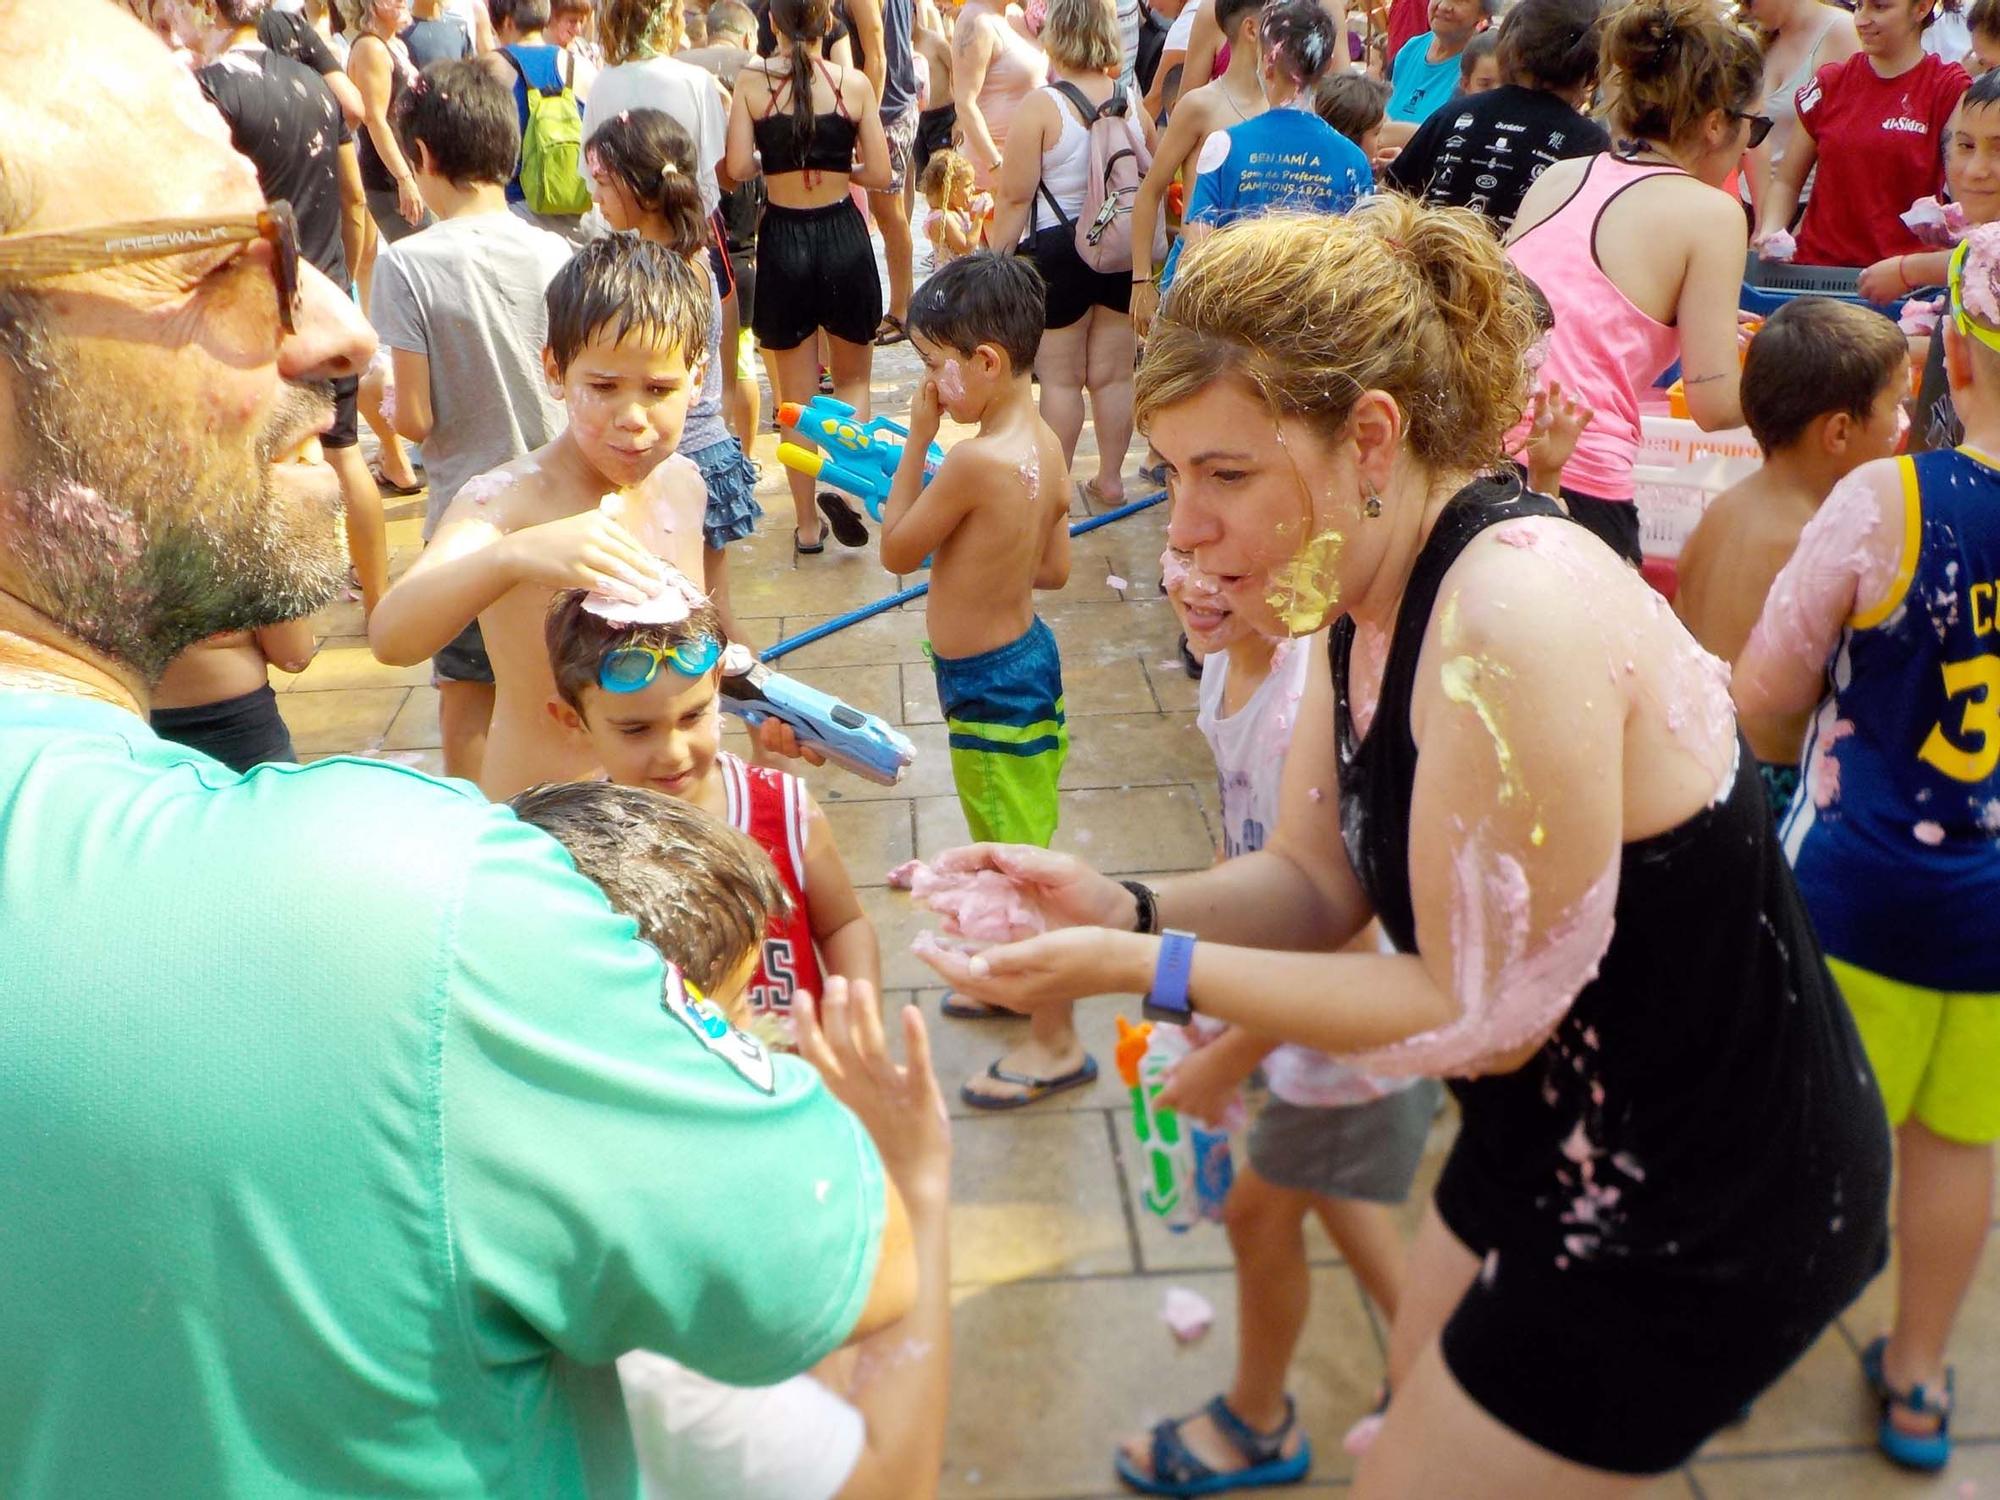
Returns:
<point x="1812" y="358"/>
<point x="467" y="119"/>
<point x="983" y="298"/>
<point x="633" y="288"/>
<point x="579" y="640"/>
<point x="1351" y="103"/>
<point x="703" y="894"/>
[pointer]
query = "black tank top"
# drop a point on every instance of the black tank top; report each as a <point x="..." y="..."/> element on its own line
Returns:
<point x="784" y="147"/>
<point x="1730" y="1127"/>
<point x="375" y="175"/>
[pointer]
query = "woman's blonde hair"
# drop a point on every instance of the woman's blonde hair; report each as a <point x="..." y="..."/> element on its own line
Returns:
<point x="633" y="30"/>
<point x="1082" y="35"/>
<point x="1310" y="311"/>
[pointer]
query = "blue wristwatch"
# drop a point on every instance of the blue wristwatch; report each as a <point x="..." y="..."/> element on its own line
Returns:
<point x="1168" y="999"/>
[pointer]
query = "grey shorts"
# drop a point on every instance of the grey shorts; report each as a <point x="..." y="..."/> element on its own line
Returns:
<point x="1367" y="1151"/>
<point x="902" y="133"/>
<point x="464" y="660"/>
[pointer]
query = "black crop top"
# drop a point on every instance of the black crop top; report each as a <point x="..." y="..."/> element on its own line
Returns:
<point x="783" y="147"/>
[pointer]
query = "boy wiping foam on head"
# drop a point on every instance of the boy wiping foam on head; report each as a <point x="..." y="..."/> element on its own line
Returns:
<point x="606" y="505"/>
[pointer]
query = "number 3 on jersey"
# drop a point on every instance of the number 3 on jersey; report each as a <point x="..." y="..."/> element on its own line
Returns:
<point x="1977" y="680"/>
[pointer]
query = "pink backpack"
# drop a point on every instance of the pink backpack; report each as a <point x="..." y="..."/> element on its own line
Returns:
<point x="1119" y="160"/>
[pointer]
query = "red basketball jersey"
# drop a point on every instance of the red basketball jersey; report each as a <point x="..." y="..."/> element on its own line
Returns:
<point x="770" y="807"/>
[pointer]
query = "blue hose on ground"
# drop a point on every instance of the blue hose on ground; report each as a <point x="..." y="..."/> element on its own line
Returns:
<point x="916" y="591"/>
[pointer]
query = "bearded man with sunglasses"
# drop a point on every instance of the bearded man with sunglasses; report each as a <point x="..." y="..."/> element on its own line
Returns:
<point x="290" y="1211"/>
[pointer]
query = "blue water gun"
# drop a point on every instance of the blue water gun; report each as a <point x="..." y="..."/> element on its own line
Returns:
<point x="856" y="458"/>
<point x="859" y="742"/>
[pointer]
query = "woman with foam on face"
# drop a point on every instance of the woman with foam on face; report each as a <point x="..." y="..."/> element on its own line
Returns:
<point x="1672" y="1168"/>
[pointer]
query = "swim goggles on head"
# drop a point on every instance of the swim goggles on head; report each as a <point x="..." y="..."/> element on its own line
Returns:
<point x="630" y="669"/>
<point x="1961" y="319"/>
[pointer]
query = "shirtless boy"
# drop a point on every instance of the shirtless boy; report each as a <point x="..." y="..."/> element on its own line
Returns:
<point x="600" y="507"/>
<point x="1823" y="385"/>
<point x="994" y="521"/>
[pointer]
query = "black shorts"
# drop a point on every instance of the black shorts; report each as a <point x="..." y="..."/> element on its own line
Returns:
<point x="743" y="270"/>
<point x="818" y="269"/>
<point x="718" y="257"/>
<point x="464" y="660"/>
<point x="346" y="429"/>
<point x="1073" y="289"/>
<point x="1616" y="521"/>
<point x="934" y="131"/>
<point x="240" y="732"/>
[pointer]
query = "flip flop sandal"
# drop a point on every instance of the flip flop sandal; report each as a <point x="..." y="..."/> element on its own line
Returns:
<point x="891" y="331"/>
<point x="800" y="549"/>
<point x="971" y="1010"/>
<point x="1038" y="1089"/>
<point x="844" y="519"/>
<point x="1177" y="1471"/>
<point x="1094" y="496"/>
<point x="1926" y="1452"/>
<point x="389" y="487"/>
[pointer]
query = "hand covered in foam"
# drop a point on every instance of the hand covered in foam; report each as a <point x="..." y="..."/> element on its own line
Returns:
<point x="1939" y="225"/>
<point x="981" y="906"/>
<point x="1778" y="245"/>
<point x="671" y="601"/>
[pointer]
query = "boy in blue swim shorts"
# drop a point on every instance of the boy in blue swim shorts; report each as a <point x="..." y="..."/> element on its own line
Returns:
<point x="994" y="522"/>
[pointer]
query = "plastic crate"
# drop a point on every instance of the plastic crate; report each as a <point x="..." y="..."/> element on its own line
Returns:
<point x="1676" y="443"/>
<point x="1769" y="284"/>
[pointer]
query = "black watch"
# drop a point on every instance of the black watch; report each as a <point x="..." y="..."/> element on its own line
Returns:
<point x="1148" y="904"/>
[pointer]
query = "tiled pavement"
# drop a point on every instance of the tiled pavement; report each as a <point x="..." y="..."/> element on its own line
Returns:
<point x="1058" y="1273"/>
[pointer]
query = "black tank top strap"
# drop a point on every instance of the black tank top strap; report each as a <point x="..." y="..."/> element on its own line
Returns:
<point x="1378" y="771"/>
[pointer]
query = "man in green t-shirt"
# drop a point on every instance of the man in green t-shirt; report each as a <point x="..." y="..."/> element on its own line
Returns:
<point x="347" y="1135"/>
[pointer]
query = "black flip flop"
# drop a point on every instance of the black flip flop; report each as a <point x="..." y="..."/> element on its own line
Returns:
<point x="1038" y="1089"/>
<point x="389" y="487"/>
<point x="800" y="549"/>
<point x="972" y="1010"/>
<point x="844" y="519"/>
<point x="891" y="331"/>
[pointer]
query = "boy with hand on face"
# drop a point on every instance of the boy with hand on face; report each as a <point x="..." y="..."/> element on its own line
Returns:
<point x="604" y="506"/>
<point x="994" y="521"/>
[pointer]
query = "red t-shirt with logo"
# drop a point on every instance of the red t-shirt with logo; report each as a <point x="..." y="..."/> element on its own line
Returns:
<point x="1881" y="147"/>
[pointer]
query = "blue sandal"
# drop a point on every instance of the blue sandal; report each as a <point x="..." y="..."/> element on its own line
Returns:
<point x="1926" y="1452"/>
<point x="1177" y="1471"/>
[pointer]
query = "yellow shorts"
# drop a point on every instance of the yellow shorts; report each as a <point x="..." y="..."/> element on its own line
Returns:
<point x="1936" y="1055"/>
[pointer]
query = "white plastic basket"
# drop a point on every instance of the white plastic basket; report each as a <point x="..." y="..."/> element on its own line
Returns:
<point x="1675" y="442"/>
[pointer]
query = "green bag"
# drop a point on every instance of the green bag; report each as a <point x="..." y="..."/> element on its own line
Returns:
<point x="552" y="179"/>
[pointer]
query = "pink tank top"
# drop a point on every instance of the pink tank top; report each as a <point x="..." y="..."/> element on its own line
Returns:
<point x="1603" y="349"/>
<point x="1018" y="68"/>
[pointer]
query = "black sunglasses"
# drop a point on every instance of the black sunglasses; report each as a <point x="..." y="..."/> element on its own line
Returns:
<point x="1760" y="126"/>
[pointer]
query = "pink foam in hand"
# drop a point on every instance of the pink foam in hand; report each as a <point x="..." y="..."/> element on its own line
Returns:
<point x="669" y="604"/>
<point x="1919" y="317"/>
<point x="1778" y="246"/>
<point x="899" y="878"/>
<point x="983" y="906"/>
<point x="1187" y="1313"/>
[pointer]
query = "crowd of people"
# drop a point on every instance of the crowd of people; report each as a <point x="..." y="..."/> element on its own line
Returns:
<point x="382" y="1134"/>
